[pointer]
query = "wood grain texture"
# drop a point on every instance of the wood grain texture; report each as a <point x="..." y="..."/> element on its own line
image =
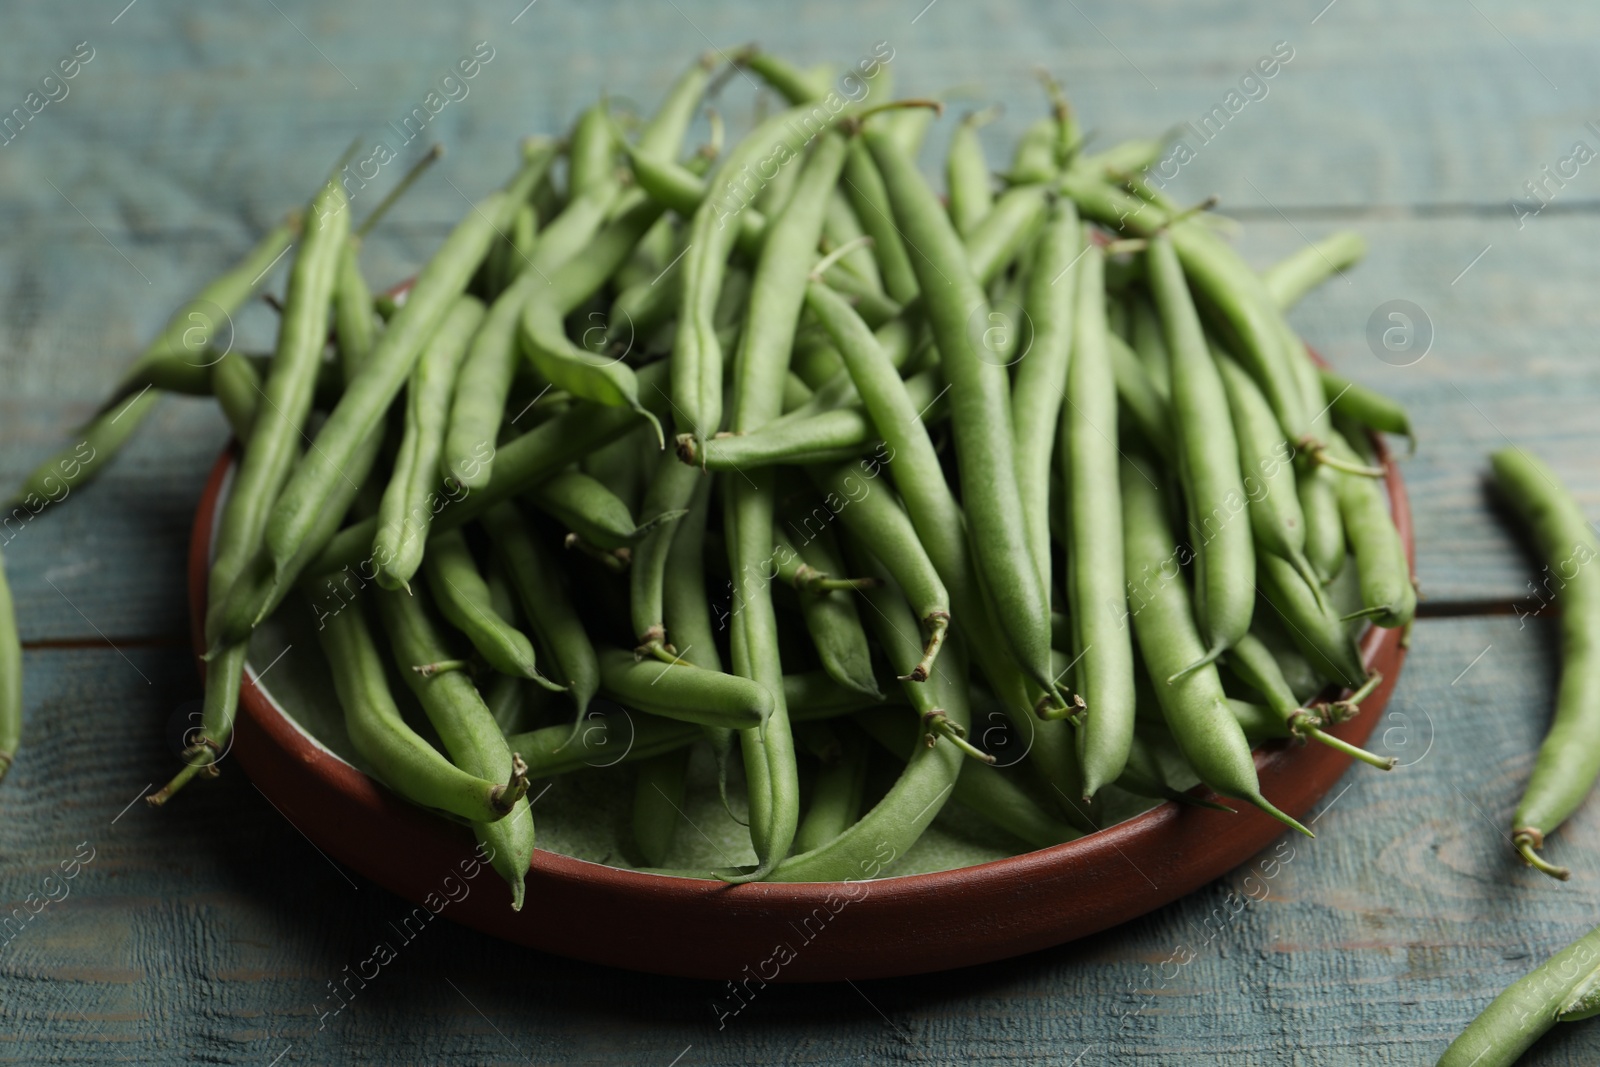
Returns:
<point x="210" y="931"/>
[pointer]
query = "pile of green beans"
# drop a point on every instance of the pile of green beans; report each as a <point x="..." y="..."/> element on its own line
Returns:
<point x="660" y="452"/>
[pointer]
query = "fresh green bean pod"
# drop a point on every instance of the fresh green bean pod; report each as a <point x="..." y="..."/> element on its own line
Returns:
<point x="663" y="134"/>
<point x="980" y="407"/>
<point x="385" y="371"/>
<point x="188" y="332"/>
<point x="836" y="796"/>
<point x="1318" y="485"/>
<point x="1001" y="235"/>
<point x="683" y="692"/>
<point x="1096" y="592"/>
<point x="697" y="373"/>
<point x="1569" y="758"/>
<point x="864" y="186"/>
<point x="10" y="678"/>
<point x="672" y="490"/>
<point x="591" y="155"/>
<point x="1267" y="464"/>
<point x="1388" y="596"/>
<point x="1565" y="988"/>
<point x="830" y="615"/>
<point x="1318" y="633"/>
<point x="604" y="379"/>
<point x="685" y="608"/>
<point x="1034" y="159"/>
<point x="406" y="511"/>
<point x="1148" y="344"/>
<point x="464" y="598"/>
<point x="1292" y="277"/>
<point x="1366" y="406"/>
<point x="1039" y="383"/>
<point x="536" y="579"/>
<point x="590" y="510"/>
<point x="812" y="696"/>
<point x="789" y="81"/>
<point x="988" y="791"/>
<point x="601" y="741"/>
<point x="882" y="529"/>
<point x="971" y="188"/>
<point x="1208" y="466"/>
<point x="941" y="528"/>
<point x="1192" y="701"/>
<point x="400" y="757"/>
<point x="896" y="822"/>
<point x="1120" y="160"/>
<point x="467" y="728"/>
<point x="841" y="227"/>
<point x="268" y="457"/>
<point x="1144" y="405"/>
<point x="831" y="436"/>
<point x="658" y="803"/>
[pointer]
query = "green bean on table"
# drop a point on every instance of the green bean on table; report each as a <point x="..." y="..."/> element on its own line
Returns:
<point x="1569" y="758"/>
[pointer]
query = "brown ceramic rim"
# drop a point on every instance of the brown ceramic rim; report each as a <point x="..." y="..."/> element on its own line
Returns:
<point x="793" y="932"/>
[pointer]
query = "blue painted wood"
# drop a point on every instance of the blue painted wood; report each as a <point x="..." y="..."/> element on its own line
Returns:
<point x="210" y="931"/>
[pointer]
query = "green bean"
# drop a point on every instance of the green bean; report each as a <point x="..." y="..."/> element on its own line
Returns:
<point x="671" y="491"/>
<point x="941" y="528"/>
<point x="885" y="532"/>
<point x="1266" y="462"/>
<point x="1096" y="592"/>
<point x="1366" y="406"/>
<point x="1192" y="703"/>
<point x="590" y="510"/>
<point x="591" y="154"/>
<point x="1318" y="633"/>
<point x="188" y="332"/>
<point x="468" y="730"/>
<point x="1040" y="379"/>
<point x="686" y="693"/>
<point x="793" y="84"/>
<point x="1144" y="776"/>
<point x="1569" y="758"/>
<point x="908" y="126"/>
<point x="398" y="756"/>
<point x="1120" y="160"/>
<point x="1294" y="276"/>
<point x="1388" y="597"/>
<point x="971" y="190"/>
<point x="268" y="457"/>
<point x="1565" y="988"/>
<point x="1208" y="465"/>
<point x="812" y="695"/>
<point x="535" y="578"/>
<point x="1148" y="343"/>
<point x="658" y="803"/>
<point x="1034" y="159"/>
<point x="685" y="610"/>
<point x="601" y="741"/>
<point x="842" y="433"/>
<point x="663" y="134"/>
<point x="677" y="187"/>
<point x="829" y="613"/>
<point x="606" y="380"/>
<point x="10" y="678"/>
<point x="1001" y="235"/>
<point x="506" y="699"/>
<point x="478" y="405"/>
<point x="406" y="511"/>
<point x="464" y="598"/>
<point x="836" y="796"/>
<point x="932" y="772"/>
<point x="1256" y="666"/>
<point x="864" y="185"/>
<point x="374" y="388"/>
<point x="988" y="791"/>
<point x="792" y="568"/>
<point x="355" y="325"/>
<point x="697" y="353"/>
<point x="841" y="227"/>
<point x="1318" y="485"/>
<point x="1145" y="407"/>
<point x="980" y="410"/>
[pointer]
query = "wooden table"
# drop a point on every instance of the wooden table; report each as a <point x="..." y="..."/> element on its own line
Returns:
<point x="211" y="931"/>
